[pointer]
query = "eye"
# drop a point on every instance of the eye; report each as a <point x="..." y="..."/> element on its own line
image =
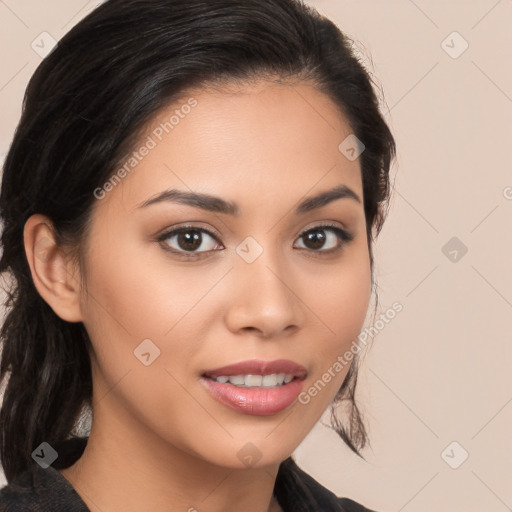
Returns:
<point x="325" y="238"/>
<point x="189" y="239"/>
<point x="193" y="241"/>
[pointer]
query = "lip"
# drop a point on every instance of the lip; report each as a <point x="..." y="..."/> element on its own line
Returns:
<point x="258" y="367"/>
<point x="258" y="401"/>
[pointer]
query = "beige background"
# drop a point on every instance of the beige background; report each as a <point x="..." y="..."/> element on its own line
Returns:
<point x="440" y="370"/>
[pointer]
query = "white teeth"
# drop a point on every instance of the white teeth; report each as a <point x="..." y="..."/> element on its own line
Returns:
<point x="237" y="380"/>
<point x="252" y="381"/>
<point x="270" y="380"/>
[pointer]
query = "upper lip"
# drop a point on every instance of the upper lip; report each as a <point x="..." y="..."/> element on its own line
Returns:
<point x="258" y="367"/>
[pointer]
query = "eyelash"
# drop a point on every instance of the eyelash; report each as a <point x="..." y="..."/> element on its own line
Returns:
<point x="343" y="236"/>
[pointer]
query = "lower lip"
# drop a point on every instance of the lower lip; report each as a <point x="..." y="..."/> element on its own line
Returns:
<point x="258" y="401"/>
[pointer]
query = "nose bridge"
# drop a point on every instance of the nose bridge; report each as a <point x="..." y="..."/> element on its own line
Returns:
<point x="263" y="297"/>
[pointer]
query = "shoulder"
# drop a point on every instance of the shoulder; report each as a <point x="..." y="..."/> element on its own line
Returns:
<point x="352" y="506"/>
<point x="18" y="494"/>
<point x="296" y="490"/>
<point x="40" y="490"/>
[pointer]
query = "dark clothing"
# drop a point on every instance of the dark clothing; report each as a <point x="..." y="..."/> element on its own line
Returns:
<point x="46" y="490"/>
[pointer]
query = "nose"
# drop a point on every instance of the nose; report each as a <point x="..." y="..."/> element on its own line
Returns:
<point x="264" y="298"/>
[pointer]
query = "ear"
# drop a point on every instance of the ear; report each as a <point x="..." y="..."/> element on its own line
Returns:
<point x="52" y="269"/>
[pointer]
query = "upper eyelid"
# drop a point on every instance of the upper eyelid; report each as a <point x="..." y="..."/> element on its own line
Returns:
<point x="172" y="232"/>
<point x="320" y="224"/>
<point x="167" y="233"/>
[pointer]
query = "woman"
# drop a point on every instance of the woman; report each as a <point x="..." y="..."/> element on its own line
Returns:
<point x="189" y="207"/>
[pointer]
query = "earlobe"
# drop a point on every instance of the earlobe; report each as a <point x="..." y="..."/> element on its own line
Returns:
<point x="52" y="269"/>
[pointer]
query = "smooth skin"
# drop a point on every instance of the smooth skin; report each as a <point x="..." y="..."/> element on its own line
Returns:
<point x="159" y="440"/>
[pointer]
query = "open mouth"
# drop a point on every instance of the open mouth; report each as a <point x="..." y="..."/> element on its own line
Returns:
<point x="256" y="387"/>
<point x="252" y="381"/>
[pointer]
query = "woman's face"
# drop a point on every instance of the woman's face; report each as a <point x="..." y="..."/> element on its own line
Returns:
<point x="253" y="277"/>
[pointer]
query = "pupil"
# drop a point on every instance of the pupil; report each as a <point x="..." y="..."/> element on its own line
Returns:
<point x="317" y="238"/>
<point x="190" y="242"/>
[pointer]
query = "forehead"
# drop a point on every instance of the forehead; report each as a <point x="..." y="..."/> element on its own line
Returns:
<point x="265" y="138"/>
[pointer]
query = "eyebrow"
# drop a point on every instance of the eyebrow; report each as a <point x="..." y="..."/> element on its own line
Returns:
<point x="218" y="205"/>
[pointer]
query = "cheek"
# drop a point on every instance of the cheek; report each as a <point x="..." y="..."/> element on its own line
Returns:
<point x="340" y="303"/>
<point x="129" y="300"/>
<point x="137" y="293"/>
<point x="340" y="297"/>
<point x="121" y="306"/>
